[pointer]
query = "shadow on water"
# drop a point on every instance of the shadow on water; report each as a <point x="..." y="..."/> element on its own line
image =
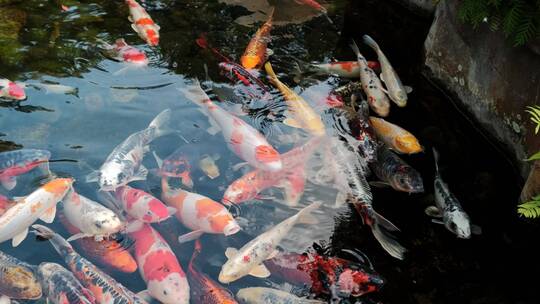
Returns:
<point x="439" y="268"/>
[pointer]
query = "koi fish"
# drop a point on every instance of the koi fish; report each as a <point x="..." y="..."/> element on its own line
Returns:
<point x="396" y="173"/>
<point x="396" y="91"/>
<point x="301" y="115"/>
<point x="395" y="137"/>
<point x="263" y="295"/>
<point x="139" y="205"/>
<point x="175" y="165"/>
<point x="107" y="252"/>
<point x="347" y="91"/>
<point x="291" y="178"/>
<point x="347" y="69"/>
<point x="11" y="90"/>
<point x="249" y="258"/>
<point x="364" y="132"/>
<point x="142" y="23"/>
<point x="353" y="186"/>
<point x="204" y="290"/>
<point x="454" y="218"/>
<point x="322" y="273"/>
<point x="105" y="289"/>
<point x="56" y="88"/>
<point x="40" y="204"/>
<point x="241" y="138"/>
<point x="198" y="213"/>
<point x="314" y="4"/>
<point x="159" y="267"/>
<point x="91" y="218"/>
<point x="15" y="163"/>
<point x="123" y="165"/>
<point x="61" y="287"/>
<point x="17" y="280"/>
<point x="372" y="85"/>
<point x="124" y="52"/>
<point x="256" y="52"/>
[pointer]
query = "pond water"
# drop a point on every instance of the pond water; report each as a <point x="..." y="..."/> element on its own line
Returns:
<point x="113" y="102"/>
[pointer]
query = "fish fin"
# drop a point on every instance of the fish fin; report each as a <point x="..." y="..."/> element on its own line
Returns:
<point x="130" y="19"/>
<point x="434" y="221"/>
<point x="382" y="79"/>
<point x="190" y="236"/>
<point x="270" y="70"/>
<point x="231" y="252"/>
<point x="436" y="158"/>
<point x="239" y="166"/>
<point x="48" y="216"/>
<point x="433" y="211"/>
<point x="19" y="237"/>
<point x="355" y="49"/>
<point x="293" y="187"/>
<point x="93" y="177"/>
<point x="44" y="167"/>
<point x="371" y="42"/>
<point x="476" y="230"/>
<point x="140" y="175"/>
<point x="145" y="295"/>
<point x="171" y="211"/>
<point x="291" y="122"/>
<point x="159" y="161"/>
<point x="160" y="122"/>
<point x="9" y="182"/>
<point x="157" y="26"/>
<point x="110" y="202"/>
<point x="134" y="27"/>
<point x="380" y="184"/>
<point x="305" y="216"/>
<point x="381" y="220"/>
<point x="388" y="243"/>
<point x="269" y="52"/>
<point x="76" y="237"/>
<point x="260" y="271"/>
<point x="4" y="299"/>
<point x="408" y="89"/>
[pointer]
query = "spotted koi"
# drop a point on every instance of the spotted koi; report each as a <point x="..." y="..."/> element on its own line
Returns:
<point x="142" y="23"/>
<point x="11" y="90"/>
<point x="60" y="286"/>
<point x="142" y="206"/>
<point x="17" y="279"/>
<point x="15" y="163"/>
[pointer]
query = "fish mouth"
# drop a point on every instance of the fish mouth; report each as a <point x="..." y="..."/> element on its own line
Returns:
<point x="231" y="229"/>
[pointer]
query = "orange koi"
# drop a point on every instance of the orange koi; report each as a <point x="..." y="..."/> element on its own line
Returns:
<point x="395" y="137"/>
<point x="256" y="51"/>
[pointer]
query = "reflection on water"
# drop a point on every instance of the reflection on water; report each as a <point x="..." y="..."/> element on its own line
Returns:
<point x="43" y="45"/>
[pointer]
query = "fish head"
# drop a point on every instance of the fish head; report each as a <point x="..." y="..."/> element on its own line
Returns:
<point x="21" y="282"/>
<point x="380" y="106"/>
<point x="59" y="186"/>
<point x="408" y="144"/>
<point x="156" y="211"/>
<point x="112" y="176"/>
<point x="135" y="56"/>
<point x="239" y="191"/>
<point x="408" y="180"/>
<point x="171" y="289"/>
<point x="106" y="222"/>
<point x="229" y="273"/>
<point x="15" y="91"/>
<point x="251" y="61"/>
<point x="458" y="222"/>
<point x="357" y="282"/>
<point x="249" y="295"/>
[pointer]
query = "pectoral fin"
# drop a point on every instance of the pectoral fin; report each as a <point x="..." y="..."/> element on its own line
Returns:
<point x="19" y="237"/>
<point x="134" y="27"/>
<point x="408" y="89"/>
<point x="476" y="230"/>
<point x="48" y="216"/>
<point x="92" y="177"/>
<point x="76" y="237"/>
<point x="433" y="211"/>
<point x="190" y="236"/>
<point x="380" y="184"/>
<point x="439" y="222"/>
<point x="260" y="271"/>
<point x="293" y="186"/>
<point x="9" y="182"/>
<point x="231" y="252"/>
<point x="140" y="175"/>
<point x="145" y="295"/>
<point x="292" y="123"/>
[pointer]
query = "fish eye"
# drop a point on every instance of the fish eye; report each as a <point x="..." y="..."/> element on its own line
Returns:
<point x="98" y="225"/>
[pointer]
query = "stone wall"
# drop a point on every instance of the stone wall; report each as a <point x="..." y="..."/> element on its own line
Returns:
<point x="493" y="80"/>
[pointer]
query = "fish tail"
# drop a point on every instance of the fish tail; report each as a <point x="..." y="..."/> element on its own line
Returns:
<point x="387" y="242"/>
<point x="304" y="215"/>
<point x="371" y="42"/>
<point x="436" y="158"/>
<point x="159" y="124"/>
<point x="355" y="48"/>
<point x="271" y="15"/>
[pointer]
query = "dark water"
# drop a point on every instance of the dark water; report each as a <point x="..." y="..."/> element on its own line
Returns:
<point x="111" y="104"/>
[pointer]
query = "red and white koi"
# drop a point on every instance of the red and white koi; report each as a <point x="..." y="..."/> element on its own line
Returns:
<point x="347" y="69"/>
<point x="142" y="23"/>
<point x="291" y="178"/>
<point x="372" y="85"/>
<point x="141" y="206"/>
<point x="91" y="218"/>
<point x="40" y="204"/>
<point x="246" y="142"/>
<point x="249" y="258"/>
<point x="124" y="52"/>
<point x="106" y="290"/>
<point x="11" y="90"/>
<point x="15" y="163"/>
<point x="159" y="267"/>
<point x="199" y="213"/>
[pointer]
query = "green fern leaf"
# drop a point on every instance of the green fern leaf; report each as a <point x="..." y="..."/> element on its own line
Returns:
<point x="526" y="30"/>
<point x="513" y="17"/>
<point x="535" y="156"/>
<point x="530" y="209"/>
